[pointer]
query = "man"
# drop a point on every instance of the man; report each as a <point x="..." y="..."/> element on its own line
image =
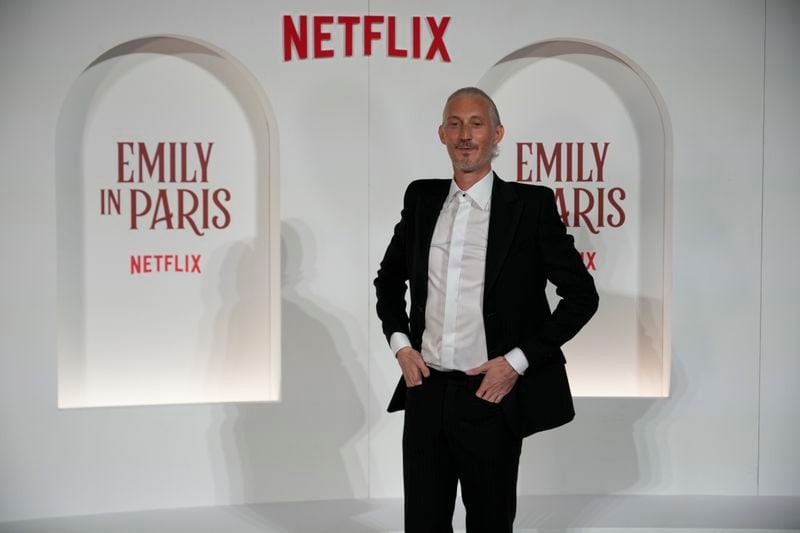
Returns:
<point x="480" y="350"/>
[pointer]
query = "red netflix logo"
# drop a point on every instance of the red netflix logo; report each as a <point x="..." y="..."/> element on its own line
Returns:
<point x="297" y="36"/>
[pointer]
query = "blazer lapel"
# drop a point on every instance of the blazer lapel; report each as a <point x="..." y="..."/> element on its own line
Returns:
<point x="503" y="220"/>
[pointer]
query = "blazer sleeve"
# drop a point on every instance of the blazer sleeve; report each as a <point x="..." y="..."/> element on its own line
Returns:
<point x="390" y="283"/>
<point x="564" y="267"/>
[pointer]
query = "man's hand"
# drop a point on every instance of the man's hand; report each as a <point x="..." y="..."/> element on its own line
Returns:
<point x="499" y="379"/>
<point x="413" y="366"/>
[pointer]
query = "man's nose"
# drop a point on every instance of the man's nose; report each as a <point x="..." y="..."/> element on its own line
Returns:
<point x="466" y="132"/>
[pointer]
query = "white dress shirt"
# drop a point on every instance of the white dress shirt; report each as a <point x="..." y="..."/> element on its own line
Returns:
<point x="454" y="337"/>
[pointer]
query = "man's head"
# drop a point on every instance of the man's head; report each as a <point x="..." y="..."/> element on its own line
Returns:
<point x="471" y="130"/>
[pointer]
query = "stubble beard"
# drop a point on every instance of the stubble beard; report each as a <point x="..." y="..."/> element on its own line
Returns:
<point x="462" y="163"/>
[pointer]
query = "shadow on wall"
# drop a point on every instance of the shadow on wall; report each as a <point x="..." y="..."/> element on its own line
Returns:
<point x="614" y="446"/>
<point x="300" y="448"/>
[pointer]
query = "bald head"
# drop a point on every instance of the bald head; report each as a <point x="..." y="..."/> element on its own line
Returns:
<point x="494" y="115"/>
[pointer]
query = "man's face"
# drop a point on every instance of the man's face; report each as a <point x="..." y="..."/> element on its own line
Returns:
<point x="469" y="134"/>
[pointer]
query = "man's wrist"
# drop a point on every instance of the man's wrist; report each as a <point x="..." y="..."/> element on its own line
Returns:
<point x="398" y="341"/>
<point x="516" y="358"/>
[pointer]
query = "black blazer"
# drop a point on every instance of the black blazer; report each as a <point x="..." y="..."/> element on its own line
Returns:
<point x="527" y="245"/>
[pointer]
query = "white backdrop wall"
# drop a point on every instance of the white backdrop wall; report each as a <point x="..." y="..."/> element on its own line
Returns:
<point x="352" y="133"/>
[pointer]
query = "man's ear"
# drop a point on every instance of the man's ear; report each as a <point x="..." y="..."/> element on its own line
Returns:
<point x="441" y="134"/>
<point x="499" y="132"/>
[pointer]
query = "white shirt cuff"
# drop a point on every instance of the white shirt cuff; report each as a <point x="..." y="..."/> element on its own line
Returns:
<point x="398" y="341"/>
<point x="516" y="358"/>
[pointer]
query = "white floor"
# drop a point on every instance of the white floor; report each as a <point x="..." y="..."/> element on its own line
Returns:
<point x="554" y="514"/>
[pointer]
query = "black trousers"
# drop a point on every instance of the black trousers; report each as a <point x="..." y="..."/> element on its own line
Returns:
<point x="451" y="435"/>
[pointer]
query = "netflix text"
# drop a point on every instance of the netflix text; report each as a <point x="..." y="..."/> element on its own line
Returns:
<point x="146" y="264"/>
<point x="426" y="36"/>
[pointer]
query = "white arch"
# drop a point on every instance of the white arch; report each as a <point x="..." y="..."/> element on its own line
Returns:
<point x="509" y="65"/>
<point x="70" y="133"/>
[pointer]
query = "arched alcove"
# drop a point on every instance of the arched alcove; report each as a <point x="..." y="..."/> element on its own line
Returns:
<point x="588" y="122"/>
<point x="168" y="230"/>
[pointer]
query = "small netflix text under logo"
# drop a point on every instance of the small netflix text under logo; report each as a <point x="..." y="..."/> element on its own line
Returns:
<point x="589" y="260"/>
<point x="153" y="263"/>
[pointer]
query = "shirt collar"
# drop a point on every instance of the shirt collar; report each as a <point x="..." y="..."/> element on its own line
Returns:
<point x="480" y="192"/>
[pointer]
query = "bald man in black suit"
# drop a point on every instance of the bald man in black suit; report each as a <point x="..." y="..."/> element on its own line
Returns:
<point x="480" y="351"/>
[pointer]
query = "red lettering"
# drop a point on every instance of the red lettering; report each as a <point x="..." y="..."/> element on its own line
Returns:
<point x="348" y="22"/>
<point x="569" y="161"/>
<point x="620" y="192"/>
<point x="184" y="178"/>
<point x="415" y="37"/>
<point x="292" y="38"/>
<point x="150" y="165"/>
<point x="589" y="207"/>
<point x="437" y="35"/>
<point x="542" y="161"/>
<point x="203" y="158"/>
<point x="600" y="159"/>
<point x="393" y="50"/>
<point x="226" y="216"/>
<point x="321" y="36"/>
<point x="521" y="162"/>
<point x="172" y="176"/>
<point x="601" y="205"/>
<point x="369" y="34"/>
<point x="581" y="213"/>
<point x="162" y="206"/>
<point x="185" y="214"/>
<point x="296" y="35"/>
<point x="580" y="165"/>
<point x="588" y="260"/>
<point x="122" y="163"/>
<point x="135" y="213"/>
<point x="165" y="263"/>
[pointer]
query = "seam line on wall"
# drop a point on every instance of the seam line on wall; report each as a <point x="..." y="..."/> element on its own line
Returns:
<point x="369" y="255"/>
<point x="761" y="266"/>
